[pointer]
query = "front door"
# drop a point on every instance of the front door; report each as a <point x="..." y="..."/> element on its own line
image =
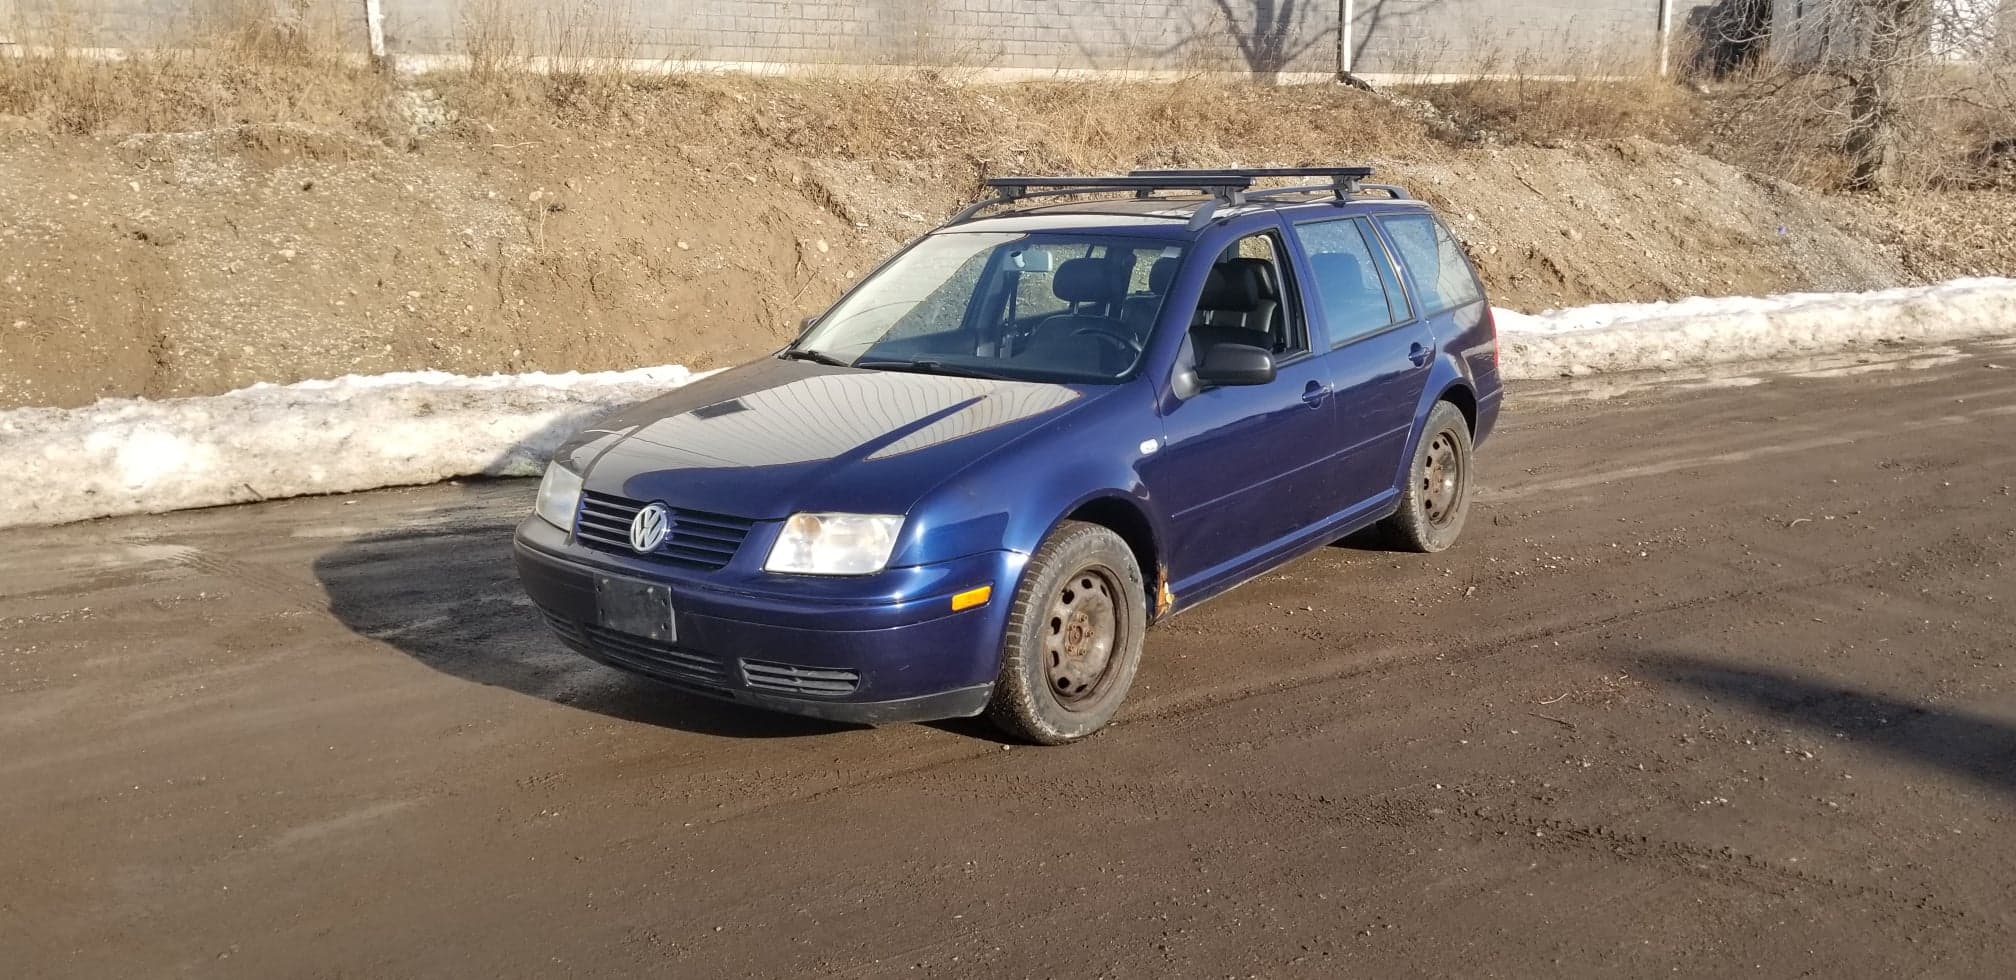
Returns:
<point x="1240" y="469"/>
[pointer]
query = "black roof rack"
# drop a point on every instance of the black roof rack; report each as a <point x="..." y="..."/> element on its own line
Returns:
<point x="1225" y="189"/>
<point x="1344" y="181"/>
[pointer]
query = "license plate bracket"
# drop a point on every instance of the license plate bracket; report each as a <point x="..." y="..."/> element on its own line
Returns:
<point x="638" y="608"/>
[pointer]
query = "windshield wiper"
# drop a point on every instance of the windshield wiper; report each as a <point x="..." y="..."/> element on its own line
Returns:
<point x="932" y="367"/>
<point x="815" y="356"/>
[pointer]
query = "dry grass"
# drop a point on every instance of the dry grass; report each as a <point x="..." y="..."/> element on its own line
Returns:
<point x="1207" y="121"/>
<point x="983" y="129"/>
<point x="1546" y="111"/>
<point x="1576" y="94"/>
<point x="574" y="58"/>
<point x="239" y="61"/>
<point x="529" y="65"/>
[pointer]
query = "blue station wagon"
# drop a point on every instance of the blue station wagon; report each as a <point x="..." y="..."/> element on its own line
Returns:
<point x="1080" y="407"/>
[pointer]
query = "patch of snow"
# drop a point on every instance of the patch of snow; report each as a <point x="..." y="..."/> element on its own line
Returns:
<point x="1694" y="332"/>
<point x="133" y="455"/>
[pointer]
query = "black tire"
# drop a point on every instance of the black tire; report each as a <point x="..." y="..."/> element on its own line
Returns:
<point x="1436" y="499"/>
<point x="1057" y="683"/>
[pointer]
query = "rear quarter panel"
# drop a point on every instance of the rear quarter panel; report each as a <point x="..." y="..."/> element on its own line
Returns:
<point x="1466" y="345"/>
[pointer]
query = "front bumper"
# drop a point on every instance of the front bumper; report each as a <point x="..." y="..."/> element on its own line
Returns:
<point x="874" y="649"/>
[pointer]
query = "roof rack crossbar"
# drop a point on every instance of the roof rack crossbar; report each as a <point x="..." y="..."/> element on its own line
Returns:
<point x="1174" y="180"/>
<point x="1293" y="191"/>
<point x="1224" y="189"/>
<point x="1345" y="182"/>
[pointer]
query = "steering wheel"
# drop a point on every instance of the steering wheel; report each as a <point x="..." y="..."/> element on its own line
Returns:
<point x="1112" y="332"/>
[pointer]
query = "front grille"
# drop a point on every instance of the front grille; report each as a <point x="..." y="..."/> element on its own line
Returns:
<point x="792" y="679"/>
<point x="654" y="659"/>
<point x="696" y="538"/>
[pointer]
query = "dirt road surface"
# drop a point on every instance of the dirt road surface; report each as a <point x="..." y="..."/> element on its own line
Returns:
<point x="1719" y="683"/>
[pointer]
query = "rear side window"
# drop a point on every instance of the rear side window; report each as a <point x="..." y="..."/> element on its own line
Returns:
<point x="1430" y="253"/>
<point x="1352" y="282"/>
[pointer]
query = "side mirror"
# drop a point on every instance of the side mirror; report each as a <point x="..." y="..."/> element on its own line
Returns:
<point x="1227" y="365"/>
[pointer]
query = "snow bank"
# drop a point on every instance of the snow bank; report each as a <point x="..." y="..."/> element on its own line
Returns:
<point x="131" y="456"/>
<point x="127" y="456"/>
<point x="1690" y="332"/>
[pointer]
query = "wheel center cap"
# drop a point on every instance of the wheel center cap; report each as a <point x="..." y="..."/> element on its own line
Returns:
<point x="1074" y="636"/>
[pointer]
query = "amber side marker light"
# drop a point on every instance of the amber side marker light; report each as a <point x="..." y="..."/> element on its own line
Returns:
<point x="972" y="597"/>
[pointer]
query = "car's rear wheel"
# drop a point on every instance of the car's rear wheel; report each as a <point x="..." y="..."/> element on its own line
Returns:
<point x="1436" y="499"/>
<point x="1074" y="637"/>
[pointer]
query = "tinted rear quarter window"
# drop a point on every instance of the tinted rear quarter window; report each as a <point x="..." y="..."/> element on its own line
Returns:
<point x="1442" y="277"/>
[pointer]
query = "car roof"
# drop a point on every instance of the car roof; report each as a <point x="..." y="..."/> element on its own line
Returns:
<point x="1162" y="217"/>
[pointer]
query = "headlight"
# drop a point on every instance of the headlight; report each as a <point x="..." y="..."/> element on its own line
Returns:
<point x="834" y="544"/>
<point x="559" y="496"/>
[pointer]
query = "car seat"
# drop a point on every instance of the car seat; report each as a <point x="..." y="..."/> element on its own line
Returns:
<point x="1240" y="305"/>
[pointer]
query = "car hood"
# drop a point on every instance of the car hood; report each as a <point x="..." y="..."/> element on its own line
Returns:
<point x="774" y="437"/>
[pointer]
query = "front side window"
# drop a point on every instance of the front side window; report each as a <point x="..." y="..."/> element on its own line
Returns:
<point x="1062" y="308"/>
<point x="1249" y="299"/>
<point x="1350" y="279"/>
<point x="1431" y="255"/>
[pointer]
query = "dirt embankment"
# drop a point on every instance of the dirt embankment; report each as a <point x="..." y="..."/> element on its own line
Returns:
<point x="697" y="220"/>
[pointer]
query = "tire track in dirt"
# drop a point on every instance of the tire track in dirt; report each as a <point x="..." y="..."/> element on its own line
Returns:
<point x="275" y="584"/>
<point x="1717" y="865"/>
<point x="1394" y="659"/>
<point x="1404" y="655"/>
<point x="1734" y="456"/>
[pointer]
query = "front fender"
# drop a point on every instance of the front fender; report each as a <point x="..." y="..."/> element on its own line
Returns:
<point x="1014" y="497"/>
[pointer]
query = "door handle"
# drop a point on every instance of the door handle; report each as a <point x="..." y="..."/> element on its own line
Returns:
<point x="1420" y="355"/>
<point x="1314" y="393"/>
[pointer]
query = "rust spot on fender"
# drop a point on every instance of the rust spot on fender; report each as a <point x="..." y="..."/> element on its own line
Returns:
<point x="1164" y="598"/>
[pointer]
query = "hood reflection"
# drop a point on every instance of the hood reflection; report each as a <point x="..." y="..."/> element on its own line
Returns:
<point x="861" y="414"/>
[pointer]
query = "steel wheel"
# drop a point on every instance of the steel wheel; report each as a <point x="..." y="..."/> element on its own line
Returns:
<point x="1441" y="479"/>
<point x="1435" y="498"/>
<point x="1073" y="639"/>
<point x="1079" y="636"/>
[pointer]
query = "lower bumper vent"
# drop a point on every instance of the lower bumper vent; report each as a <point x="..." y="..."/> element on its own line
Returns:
<point x="824" y="682"/>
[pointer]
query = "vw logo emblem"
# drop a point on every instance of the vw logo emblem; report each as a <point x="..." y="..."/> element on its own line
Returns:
<point x="649" y="528"/>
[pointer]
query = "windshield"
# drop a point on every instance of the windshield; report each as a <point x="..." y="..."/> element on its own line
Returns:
<point x="1062" y="308"/>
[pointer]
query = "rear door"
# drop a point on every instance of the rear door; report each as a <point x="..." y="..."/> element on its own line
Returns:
<point x="1378" y="358"/>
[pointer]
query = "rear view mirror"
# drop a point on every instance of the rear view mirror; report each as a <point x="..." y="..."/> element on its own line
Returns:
<point x="1033" y="260"/>
<point x="805" y="326"/>
<point x="1227" y="365"/>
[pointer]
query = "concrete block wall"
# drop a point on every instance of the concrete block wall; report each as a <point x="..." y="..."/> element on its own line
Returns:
<point x="1547" y="37"/>
<point x="1268" y="38"/>
<point x="1162" y="35"/>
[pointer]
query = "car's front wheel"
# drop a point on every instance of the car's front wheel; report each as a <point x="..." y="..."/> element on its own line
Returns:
<point x="1074" y="637"/>
<point x="1436" y="499"/>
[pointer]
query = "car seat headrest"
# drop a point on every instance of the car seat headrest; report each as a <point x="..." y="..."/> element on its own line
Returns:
<point x="1234" y="286"/>
<point x="1083" y="280"/>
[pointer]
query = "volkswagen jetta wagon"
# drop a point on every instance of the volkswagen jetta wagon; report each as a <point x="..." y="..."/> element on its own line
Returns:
<point x="1078" y="408"/>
